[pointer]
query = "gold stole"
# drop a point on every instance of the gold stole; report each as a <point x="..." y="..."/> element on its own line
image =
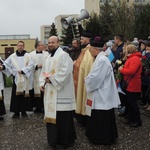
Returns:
<point x="36" y="75"/>
<point x="36" y="85"/>
<point x="22" y="83"/>
<point x="50" y="104"/>
<point x="76" y="69"/>
<point x="50" y="94"/>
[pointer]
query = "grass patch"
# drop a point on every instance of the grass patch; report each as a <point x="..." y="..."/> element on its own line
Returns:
<point x="8" y="81"/>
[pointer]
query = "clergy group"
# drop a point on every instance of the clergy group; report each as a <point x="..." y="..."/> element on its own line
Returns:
<point x="64" y="89"/>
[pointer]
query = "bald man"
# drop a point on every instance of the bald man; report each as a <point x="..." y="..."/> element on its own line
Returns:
<point x="56" y="81"/>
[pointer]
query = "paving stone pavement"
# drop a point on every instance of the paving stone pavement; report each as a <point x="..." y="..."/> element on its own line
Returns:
<point x="30" y="133"/>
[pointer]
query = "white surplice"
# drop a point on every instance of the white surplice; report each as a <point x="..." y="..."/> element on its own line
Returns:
<point x="60" y="68"/>
<point x="101" y="83"/>
<point x="38" y="58"/>
<point x="15" y="63"/>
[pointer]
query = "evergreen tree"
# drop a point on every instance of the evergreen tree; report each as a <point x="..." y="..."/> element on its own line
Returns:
<point x="120" y="18"/>
<point x="142" y="21"/>
<point x="123" y="18"/>
<point x="106" y="22"/>
<point x="116" y="18"/>
<point x="53" y="30"/>
<point x="93" y="25"/>
<point x="68" y="35"/>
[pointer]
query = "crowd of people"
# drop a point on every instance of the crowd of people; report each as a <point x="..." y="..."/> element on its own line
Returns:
<point x="81" y="83"/>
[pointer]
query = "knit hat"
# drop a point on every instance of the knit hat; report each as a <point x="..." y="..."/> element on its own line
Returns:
<point x="135" y="42"/>
<point x="97" y="42"/>
<point x="86" y="34"/>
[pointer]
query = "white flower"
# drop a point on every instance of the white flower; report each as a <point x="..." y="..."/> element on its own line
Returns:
<point x="119" y="62"/>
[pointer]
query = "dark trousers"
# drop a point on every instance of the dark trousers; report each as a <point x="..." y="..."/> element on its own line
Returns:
<point x="2" y="105"/>
<point x="133" y="109"/>
<point x="37" y="101"/>
<point x="63" y="132"/>
<point x="19" y="103"/>
<point x="124" y="102"/>
<point x="145" y="95"/>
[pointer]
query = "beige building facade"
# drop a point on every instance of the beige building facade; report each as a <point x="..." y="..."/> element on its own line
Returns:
<point x="94" y="5"/>
<point x="45" y="32"/>
<point x="8" y="44"/>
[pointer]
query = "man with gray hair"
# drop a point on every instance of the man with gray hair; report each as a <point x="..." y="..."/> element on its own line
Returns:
<point x="102" y="97"/>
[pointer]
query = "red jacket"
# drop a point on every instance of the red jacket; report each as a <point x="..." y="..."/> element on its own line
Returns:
<point x="133" y="68"/>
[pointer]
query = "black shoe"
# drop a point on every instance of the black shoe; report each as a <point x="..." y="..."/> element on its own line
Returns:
<point x="37" y="110"/>
<point x="126" y="117"/>
<point x="135" y="124"/>
<point x="16" y="115"/>
<point x="68" y="146"/>
<point x="142" y="104"/>
<point x="53" y="147"/>
<point x="1" y="118"/>
<point x="122" y="115"/>
<point x="128" y="122"/>
<point x="24" y="114"/>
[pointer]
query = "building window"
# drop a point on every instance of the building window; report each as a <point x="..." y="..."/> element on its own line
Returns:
<point x="127" y="1"/>
<point x="13" y="44"/>
<point x="4" y="44"/>
<point x="103" y="1"/>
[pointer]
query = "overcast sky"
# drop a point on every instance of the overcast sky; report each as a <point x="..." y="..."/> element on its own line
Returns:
<point x="26" y="16"/>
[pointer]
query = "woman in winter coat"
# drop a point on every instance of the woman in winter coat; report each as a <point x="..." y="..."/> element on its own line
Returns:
<point x="132" y="74"/>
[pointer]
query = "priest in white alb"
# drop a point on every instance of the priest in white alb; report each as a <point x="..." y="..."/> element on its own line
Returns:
<point x="19" y="65"/>
<point x="56" y="81"/>
<point x="38" y="56"/>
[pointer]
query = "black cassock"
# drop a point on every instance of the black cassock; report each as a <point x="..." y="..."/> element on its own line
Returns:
<point x="2" y="106"/>
<point x="19" y="103"/>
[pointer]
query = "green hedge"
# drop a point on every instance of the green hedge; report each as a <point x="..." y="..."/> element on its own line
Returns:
<point x="8" y="81"/>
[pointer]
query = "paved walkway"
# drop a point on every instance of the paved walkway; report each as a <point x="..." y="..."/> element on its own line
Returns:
<point x="30" y="133"/>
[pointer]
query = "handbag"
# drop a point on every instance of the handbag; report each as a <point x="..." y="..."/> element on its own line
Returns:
<point x="124" y="83"/>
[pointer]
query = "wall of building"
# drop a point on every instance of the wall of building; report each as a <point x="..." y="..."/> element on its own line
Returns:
<point x="92" y="6"/>
<point x="12" y="44"/>
<point x="45" y="32"/>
